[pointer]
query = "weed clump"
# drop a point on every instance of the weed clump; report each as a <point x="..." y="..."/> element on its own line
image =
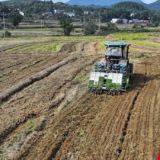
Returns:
<point x="141" y="55"/>
<point x="7" y="34"/>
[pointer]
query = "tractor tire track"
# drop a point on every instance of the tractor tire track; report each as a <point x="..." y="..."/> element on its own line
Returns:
<point x="21" y="85"/>
<point x="50" y="105"/>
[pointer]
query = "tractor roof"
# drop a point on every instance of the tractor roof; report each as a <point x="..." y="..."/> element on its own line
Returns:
<point x="115" y="44"/>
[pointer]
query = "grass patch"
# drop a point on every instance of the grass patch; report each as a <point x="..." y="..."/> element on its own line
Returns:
<point x="79" y="38"/>
<point x="132" y="36"/>
<point x="141" y="55"/>
<point x="50" y="47"/>
<point x="81" y="133"/>
<point x="71" y="38"/>
<point x="101" y="45"/>
<point x="25" y="38"/>
<point x="30" y="126"/>
<point x="82" y="78"/>
<point x="149" y="44"/>
<point x="133" y="50"/>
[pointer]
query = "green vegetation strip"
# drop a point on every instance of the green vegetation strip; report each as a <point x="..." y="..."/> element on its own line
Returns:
<point x="78" y="38"/>
<point x="49" y="47"/>
<point x="132" y="36"/>
<point x="133" y="50"/>
<point x="101" y="45"/>
<point x="149" y="44"/>
<point x="82" y="78"/>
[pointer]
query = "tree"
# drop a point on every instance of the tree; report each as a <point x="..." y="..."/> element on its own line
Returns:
<point x="90" y="28"/>
<point x="67" y="27"/>
<point x="7" y="34"/>
<point x="110" y="28"/>
<point x="4" y="9"/>
<point x="136" y="26"/>
<point x="15" y="18"/>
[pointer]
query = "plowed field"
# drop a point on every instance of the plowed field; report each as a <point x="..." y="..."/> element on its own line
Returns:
<point x="54" y="117"/>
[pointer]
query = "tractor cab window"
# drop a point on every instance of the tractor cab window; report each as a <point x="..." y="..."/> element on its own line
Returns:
<point x="113" y="51"/>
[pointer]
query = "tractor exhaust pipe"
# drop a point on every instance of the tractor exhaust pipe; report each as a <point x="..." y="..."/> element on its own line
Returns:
<point x="128" y="49"/>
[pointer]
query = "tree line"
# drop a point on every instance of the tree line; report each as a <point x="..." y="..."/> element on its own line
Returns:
<point x="33" y="9"/>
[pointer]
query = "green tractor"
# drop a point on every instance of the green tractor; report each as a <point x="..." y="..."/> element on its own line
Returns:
<point x="113" y="73"/>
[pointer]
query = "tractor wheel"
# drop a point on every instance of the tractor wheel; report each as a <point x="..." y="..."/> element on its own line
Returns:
<point x="131" y="69"/>
<point x="90" y="90"/>
<point x="113" y="93"/>
<point x="108" y="92"/>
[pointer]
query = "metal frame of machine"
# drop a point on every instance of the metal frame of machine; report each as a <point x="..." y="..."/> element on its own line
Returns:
<point x="113" y="73"/>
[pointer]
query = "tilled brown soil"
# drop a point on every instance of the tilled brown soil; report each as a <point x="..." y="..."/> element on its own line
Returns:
<point x="70" y="123"/>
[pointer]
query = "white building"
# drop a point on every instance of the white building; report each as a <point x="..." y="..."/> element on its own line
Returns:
<point x="86" y="12"/>
<point x="132" y="14"/>
<point x="22" y="13"/>
<point x="58" y="11"/>
<point x="71" y="14"/>
<point x="114" y="20"/>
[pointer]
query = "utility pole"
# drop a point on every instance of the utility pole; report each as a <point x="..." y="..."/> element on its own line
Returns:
<point x="4" y="26"/>
<point x="41" y="23"/>
<point x="56" y="27"/>
<point x="84" y="23"/>
<point x="99" y="22"/>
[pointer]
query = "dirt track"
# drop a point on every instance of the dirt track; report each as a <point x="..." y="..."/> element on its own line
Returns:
<point x="89" y="126"/>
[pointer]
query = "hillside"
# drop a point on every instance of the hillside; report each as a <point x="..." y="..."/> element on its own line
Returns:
<point x="154" y="6"/>
<point x="119" y="10"/>
<point x="129" y="6"/>
<point x="100" y="2"/>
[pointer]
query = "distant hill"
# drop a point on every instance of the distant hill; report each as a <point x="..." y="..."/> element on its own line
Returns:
<point x="33" y="9"/>
<point x="98" y="2"/>
<point x="129" y="6"/>
<point x="154" y="6"/>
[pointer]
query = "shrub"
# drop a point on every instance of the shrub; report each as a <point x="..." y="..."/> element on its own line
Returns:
<point x="142" y="55"/>
<point x="110" y="28"/>
<point x="90" y="28"/>
<point x="7" y="34"/>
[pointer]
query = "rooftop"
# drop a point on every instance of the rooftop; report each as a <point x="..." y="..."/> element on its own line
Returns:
<point x="115" y="44"/>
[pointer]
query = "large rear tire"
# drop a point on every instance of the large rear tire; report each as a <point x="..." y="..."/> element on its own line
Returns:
<point x="131" y="70"/>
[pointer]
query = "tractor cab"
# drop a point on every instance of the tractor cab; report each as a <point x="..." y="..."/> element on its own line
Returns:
<point x="116" y="50"/>
<point x="116" y="54"/>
